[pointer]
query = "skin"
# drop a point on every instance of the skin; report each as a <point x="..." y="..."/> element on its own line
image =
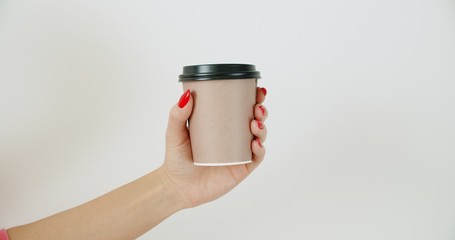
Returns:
<point x="133" y="209"/>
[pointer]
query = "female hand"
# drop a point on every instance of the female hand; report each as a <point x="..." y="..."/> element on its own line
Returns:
<point x="197" y="185"/>
<point x="177" y="184"/>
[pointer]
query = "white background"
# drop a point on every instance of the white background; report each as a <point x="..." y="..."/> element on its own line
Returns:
<point x="361" y="98"/>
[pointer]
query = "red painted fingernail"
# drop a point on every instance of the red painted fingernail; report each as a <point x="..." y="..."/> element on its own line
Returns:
<point x="264" y="91"/>
<point x="184" y="98"/>
<point x="259" y="142"/>
<point x="260" y="125"/>
<point x="262" y="110"/>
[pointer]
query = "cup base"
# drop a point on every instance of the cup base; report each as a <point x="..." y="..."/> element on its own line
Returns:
<point x="222" y="164"/>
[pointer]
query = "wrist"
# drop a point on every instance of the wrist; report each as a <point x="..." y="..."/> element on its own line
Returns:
<point x="172" y="190"/>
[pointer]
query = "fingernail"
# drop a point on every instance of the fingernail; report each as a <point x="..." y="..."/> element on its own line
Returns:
<point x="264" y="91"/>
<point x="259" y="142"/>
<point x="262" y="110"/>
<point x="260" y="125"/>
<point x="184" y="98"/>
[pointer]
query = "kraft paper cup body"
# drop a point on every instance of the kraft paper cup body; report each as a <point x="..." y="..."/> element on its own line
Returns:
<point x="219" y="125"/>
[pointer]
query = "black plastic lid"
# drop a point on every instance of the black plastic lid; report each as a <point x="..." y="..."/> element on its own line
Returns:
<point x="218" y="71"/>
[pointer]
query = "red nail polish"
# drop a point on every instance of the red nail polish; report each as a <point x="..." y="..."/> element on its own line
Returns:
<point x="259" y="142"/>
<point x="260" y="125"/>
<point x="262" y="110"/>
<point x="184" y="98"/>
<point x="264" y="91"/>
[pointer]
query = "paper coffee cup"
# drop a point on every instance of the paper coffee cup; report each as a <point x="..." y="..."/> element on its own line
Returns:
<point x="224" y="96"/>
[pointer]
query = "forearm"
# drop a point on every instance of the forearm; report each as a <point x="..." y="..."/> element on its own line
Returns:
<point x="124" y="213"/>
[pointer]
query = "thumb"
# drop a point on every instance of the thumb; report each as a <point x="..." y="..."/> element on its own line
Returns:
<point x="177" y="132"/>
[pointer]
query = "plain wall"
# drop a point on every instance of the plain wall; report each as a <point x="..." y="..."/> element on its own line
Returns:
<point x="361" y="140"/>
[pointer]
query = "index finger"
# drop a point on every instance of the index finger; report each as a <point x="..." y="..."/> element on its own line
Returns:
<point x="260" y="94"/>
